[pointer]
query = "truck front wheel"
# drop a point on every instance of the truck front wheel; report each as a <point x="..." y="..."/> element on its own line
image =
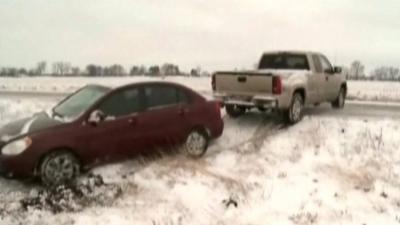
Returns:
<point x="340" y="100"/>
<point x="295" y="112"/>
<point x="235" y="110"/>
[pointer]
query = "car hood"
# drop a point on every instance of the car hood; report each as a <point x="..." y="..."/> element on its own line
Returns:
<point x="37" y="122"/>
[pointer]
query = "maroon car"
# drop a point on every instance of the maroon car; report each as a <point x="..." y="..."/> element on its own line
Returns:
<point x="97" y="124"/>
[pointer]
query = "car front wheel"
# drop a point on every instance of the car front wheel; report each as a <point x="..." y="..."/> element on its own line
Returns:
<point x="58" y="168"/>
<point x="196" y="143"/>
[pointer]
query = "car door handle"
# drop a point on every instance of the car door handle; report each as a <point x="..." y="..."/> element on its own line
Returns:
<point x="183" y="111"/>
<point x="133" y="121"/>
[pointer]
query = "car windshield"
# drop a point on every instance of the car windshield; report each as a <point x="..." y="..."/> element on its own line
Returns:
<point x="79" y="102"/>
<point x="284" y="61"/>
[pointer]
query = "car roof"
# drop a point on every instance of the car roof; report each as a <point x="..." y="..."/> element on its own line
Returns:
<point x="152" y="83"/>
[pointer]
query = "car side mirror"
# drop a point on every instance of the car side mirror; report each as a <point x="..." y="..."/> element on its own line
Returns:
<point x="96" y="117"/>
<point x="337" y="69"/>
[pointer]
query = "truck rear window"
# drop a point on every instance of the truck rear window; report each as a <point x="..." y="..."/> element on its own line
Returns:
<point x="284" y="61"/>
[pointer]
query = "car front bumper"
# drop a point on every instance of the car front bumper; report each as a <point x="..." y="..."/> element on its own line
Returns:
<point x="15" y="166"/>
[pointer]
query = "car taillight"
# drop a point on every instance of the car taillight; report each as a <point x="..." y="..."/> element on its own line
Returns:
<point x="213" y="83"/>
<point x="276" y="85"/>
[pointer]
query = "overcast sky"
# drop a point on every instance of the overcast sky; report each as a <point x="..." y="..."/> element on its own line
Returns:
<point x="215" y="34"/>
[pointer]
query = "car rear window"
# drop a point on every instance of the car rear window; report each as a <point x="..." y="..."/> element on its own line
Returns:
<point x="284" y="61"/>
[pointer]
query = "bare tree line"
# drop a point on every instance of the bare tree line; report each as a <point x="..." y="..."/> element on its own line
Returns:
<point x="381" y="73"/>
<point x="356" y="71"/>
<point x="62" y="68"/>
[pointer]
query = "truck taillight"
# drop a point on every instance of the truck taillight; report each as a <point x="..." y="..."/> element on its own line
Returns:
<point x="213" y="83"/>
<point x="276" y="85"/>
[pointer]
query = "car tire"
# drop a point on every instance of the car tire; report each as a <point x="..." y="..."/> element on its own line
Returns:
<point x="196" y="143"/>
<point x="340" y="100"/>
<point x="295" y="112"/>
<point x="234" y="111"/>
<point x="59" y="167"/>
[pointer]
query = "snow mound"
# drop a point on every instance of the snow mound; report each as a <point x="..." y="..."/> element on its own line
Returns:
<point x="72" y="198"/>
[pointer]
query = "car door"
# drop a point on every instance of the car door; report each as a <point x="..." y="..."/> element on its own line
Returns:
<point x="317" y="81"/>
<point x="119" y="134"/>
<point x="330" y="80"/>
<point x="165" y="115"/>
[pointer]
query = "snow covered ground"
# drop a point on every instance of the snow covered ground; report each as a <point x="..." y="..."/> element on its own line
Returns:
<point x="358" y="90"/>
<point x="324" y="170"/>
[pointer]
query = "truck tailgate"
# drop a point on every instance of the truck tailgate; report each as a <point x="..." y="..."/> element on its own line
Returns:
<point x="243" y="83"/>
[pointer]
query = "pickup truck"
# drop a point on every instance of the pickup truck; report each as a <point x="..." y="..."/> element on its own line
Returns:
<point x="285" y="82"/>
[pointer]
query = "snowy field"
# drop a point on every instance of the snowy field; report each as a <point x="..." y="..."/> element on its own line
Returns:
<point x="358" y="90"/>
<point x="323" y="170"/>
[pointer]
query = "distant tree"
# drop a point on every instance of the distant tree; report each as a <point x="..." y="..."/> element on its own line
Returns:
<point x="22" y="71"/>
<point x="32" y="72"/>
<point x="117" y="70"/>
<point x="41" y="68"/>
<point x="169" y="69"/>
<point x="61" y="68"/>
<point x="75" y="71"/>
<point x="94" y="70"/>
<point x="135" y="70"/>
<point x="195" y="72"/>
<point x="154" y="70"/>
<point x="356" y="70"/>
<point x="9" y="72"/>
<point x="386" y="73"/>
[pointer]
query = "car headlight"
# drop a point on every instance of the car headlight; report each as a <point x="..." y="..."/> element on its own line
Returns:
<point x="16" y="147"/>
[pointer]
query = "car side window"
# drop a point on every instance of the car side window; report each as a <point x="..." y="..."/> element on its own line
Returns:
<point x="182" y="97"/>
<point x="122" y="103"/>
<point x="160" y="96"/>
<point x="317" y="64"/>
<point x="326" y="65"/>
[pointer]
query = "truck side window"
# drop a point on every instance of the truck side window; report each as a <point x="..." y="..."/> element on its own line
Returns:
<point x="317" y="64"/>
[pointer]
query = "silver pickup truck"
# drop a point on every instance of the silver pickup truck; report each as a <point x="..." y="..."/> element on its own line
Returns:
<point x="285" y="82"/>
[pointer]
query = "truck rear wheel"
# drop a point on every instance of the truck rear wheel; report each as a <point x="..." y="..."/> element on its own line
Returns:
<point x="295" y="112"/>
<point x="235" y="110"/>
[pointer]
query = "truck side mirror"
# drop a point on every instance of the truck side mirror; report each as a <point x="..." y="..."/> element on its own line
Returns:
<point x="337" y="69"/>
<point x="329" y="71"/>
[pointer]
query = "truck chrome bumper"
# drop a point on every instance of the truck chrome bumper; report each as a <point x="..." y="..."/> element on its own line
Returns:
<point x="255" y="101"/>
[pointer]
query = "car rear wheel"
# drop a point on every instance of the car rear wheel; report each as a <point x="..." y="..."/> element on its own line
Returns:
<point x="340" y="100"/>
<point x="196" y="143"/>
<point x="58" y="168"/>
<point x="234" y="110"/>
<point x="295" y="112"/>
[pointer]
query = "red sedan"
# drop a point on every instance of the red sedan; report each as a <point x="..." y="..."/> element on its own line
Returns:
<point x="97" y="124"/>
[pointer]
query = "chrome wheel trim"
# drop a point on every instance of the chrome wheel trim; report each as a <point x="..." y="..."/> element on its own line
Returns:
<point x="195" y="143"/>
<point x="297" y="108"/>
<point x="60" y="168"/>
